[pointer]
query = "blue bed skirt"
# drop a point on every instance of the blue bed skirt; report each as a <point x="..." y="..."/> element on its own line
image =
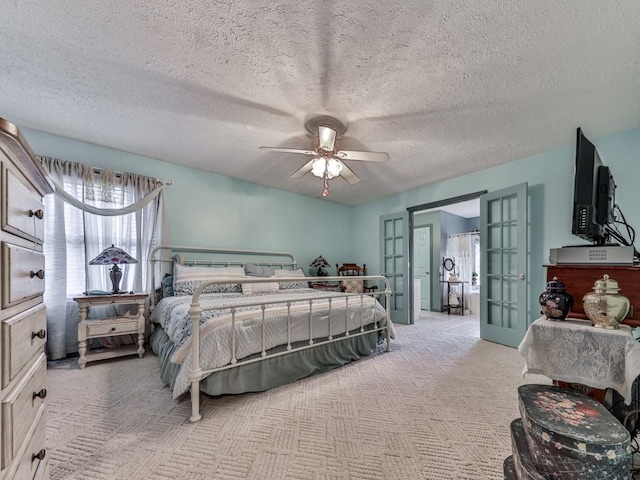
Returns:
<point x="271" y="372"/>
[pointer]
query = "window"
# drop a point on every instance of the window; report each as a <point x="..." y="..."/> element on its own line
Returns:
<point x="90" y="211"/>
<point x="475" y="276"/>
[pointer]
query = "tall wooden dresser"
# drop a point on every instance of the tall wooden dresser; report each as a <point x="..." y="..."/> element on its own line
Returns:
<point x="23" y="365"/>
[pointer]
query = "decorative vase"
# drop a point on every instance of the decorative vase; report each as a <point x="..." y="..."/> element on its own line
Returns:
<point x="605" y="307"/>
<point x="555" y="303"/>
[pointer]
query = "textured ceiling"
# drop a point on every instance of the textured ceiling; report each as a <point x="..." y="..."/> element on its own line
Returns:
<point x="445" y="87"/>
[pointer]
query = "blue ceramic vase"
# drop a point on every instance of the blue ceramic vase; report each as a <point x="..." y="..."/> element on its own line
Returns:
<point x="555" y="302"/>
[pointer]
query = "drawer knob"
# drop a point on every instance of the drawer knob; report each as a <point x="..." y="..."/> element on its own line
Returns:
<point x="40" y="455"/>
<point x="113" y="329"/>
<point x="39" y="214"/>
<point x="39" y="274"/>
<point x="40" y="334"/>
<point x="41" y="394"/>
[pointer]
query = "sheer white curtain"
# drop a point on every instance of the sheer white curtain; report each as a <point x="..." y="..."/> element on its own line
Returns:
<point x="73" y="237"/>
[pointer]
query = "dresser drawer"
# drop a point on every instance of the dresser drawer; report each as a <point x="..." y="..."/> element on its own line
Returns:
<point x="111" y="326"/>
<point x="20" y="408"/>
<point x="23" y="336"/>
<point x="23" y="274"/>
<point x="30" y="465"/>
<point x="22" y="209"/>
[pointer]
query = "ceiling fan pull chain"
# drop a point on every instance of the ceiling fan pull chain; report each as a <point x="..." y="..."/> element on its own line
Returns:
<point x="325" y="191"/>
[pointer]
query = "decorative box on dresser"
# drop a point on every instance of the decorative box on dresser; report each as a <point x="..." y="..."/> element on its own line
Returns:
<point x="23" y="364"/>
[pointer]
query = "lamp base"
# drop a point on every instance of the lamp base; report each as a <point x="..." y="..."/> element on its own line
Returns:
<point x="116" y="275"/>
<point x="321" y="273"/>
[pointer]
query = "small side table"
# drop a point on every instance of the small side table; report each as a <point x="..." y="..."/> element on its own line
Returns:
<point x="456" y="288"/>
<point x="572" y="351"/>
<point x="130" y="324"/>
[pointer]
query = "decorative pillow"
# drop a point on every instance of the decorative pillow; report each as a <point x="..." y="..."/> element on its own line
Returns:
<point x="252" y="270"/>
<point x="281" y="272"/>
<point x="291" y="273"/>
<point x="253" y="288"/>
<point x="353" y="286"/>
<point x="188" y="279"/>
<point x="167" y="285"/>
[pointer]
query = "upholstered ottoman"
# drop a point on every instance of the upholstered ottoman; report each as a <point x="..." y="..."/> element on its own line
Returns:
<point x="572" y="436"/>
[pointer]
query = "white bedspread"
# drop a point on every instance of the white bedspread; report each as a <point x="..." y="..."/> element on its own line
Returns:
<point x="347" y="313"/>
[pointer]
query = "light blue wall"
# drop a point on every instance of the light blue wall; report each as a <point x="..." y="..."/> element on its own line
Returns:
<point x="206" y="209"/>
<point x="550" y="180"/>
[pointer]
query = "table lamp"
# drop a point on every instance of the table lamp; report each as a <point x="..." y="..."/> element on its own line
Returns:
<point x="113" y="256"/>
<point x="320" y="263"/>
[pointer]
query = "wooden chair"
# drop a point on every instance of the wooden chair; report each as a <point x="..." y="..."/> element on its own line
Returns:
<point x="353" y="284"/>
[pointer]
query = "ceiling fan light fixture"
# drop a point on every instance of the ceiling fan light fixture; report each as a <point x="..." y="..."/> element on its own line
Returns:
<point x="320" y="166"/>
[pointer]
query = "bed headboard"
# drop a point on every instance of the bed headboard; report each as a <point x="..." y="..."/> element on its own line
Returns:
<point x="164" y="257"/>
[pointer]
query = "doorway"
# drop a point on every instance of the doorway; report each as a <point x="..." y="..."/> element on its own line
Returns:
<point x="422" y="253"/>
<point x="439" y="231"/>
<point x="502" y="260"/>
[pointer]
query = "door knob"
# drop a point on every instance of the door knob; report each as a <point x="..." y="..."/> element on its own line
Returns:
<point x="521" y="276"/>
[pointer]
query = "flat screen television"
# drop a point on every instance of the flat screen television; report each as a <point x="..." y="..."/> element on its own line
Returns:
<point x="593" y="194"/>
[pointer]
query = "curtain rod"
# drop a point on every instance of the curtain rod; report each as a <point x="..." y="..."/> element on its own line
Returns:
<point x="460" y="234"/>
<point x="99" y="170"/>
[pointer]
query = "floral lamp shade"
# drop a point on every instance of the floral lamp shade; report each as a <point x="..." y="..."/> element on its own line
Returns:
<point x="113" y="256"/>
<point x="320" y="263"/>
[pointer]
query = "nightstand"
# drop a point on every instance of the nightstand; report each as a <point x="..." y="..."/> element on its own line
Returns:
<point x="128" y="324"/>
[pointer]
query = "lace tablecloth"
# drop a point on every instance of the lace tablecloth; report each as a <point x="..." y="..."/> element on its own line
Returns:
<point x="575" y="352"/>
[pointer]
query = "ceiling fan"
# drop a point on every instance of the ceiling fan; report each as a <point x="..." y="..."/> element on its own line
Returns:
<point x="327" y="159"/>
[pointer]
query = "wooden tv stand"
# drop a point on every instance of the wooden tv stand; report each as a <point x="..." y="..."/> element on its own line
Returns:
<point x="579" y="280"/>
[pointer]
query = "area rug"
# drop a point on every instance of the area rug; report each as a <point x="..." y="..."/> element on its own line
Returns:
<point x="437" y="407"/>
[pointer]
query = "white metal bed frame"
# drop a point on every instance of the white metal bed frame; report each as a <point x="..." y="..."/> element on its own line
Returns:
<point x="196" y="374"/>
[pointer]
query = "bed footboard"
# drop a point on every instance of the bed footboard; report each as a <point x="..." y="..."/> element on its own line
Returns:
<point x="350" y="301"/>
<point x="322" y="329"/>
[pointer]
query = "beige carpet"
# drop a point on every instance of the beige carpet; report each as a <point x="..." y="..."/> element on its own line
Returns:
<point x="437" y="407"/>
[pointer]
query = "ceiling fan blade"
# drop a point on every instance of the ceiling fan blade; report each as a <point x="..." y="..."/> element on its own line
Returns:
<point x="363" y="156"/>
<point x="290" y="150"/>
<point x="348" y="174"/>
<point x="303" y="170"/>
<point x="327" y="138"/>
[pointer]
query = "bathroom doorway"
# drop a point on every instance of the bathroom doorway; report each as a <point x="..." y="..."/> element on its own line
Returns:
<point x="453" y="229"/>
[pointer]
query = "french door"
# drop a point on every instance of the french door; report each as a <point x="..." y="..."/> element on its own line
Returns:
<point x="503" y="269"/>
<point x="394" y="232"/>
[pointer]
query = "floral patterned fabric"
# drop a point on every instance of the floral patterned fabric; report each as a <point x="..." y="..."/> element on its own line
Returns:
<point x="291" y="273"/>
<point x="571" y="436"/>
<point x="188" y="279"/>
